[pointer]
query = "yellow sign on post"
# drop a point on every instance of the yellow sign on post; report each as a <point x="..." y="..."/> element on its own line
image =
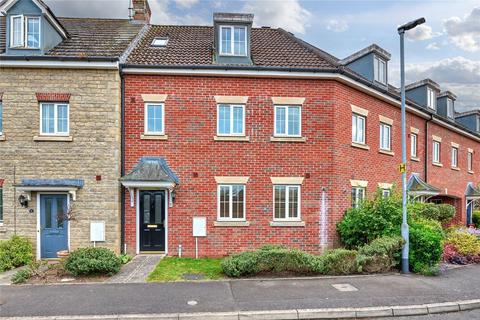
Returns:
<point x="402" y="167"/>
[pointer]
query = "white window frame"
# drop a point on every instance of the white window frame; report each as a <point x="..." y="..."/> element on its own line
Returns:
<point x="431" y="99"/>
<point x="450" y="112"/>
<point x="24" y="31"/>
<point x="356" y="117"/>
<point x="454" y="157"/>
<point x="413" y="145"/>
<point x="380" y="78"/>
<point x="287" y="202"/>
<point x="436" y="150"/>
<point x="386" y="193"/>
<point x="232" y="41"/>
<point x="287" y="112"/>
<point x="232" y="106"/>
<point x="153" y="133"/>
<point x="470" y="161"/>
<point x="230" y="202"/>
<point x="384" y="127"/>
<point x="162" y="42"/>
<point x="355" y="193"/>
<point x="55" y="119"/>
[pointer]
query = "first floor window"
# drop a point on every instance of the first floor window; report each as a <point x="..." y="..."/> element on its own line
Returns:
<point x="1" y="204"/>
<point x="385" y="136"/>
<point x="470" y="161"/>
<point x="54" y="119"/>
<point x="231" y="119"/>
<point x="358" y="129"/>
<point x="358" y="195"/>
<point x="231" y="202"/>
<point x="288" y="121"/>
<point x="413" y="145"/>
<point x="154" y="115"/>
<point x="454" y="157"/>
<point x="286" y="202"/>
<point x="436" y="152"/>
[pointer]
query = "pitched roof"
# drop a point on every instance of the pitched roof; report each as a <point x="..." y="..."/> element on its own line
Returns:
<point x="193" y="46"/>
<point x="88" y="37"/>
<point x="416" y="186"/>
<point x="151" y="169"/>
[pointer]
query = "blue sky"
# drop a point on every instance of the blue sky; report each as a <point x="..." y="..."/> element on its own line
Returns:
<point x="446" y="48"/>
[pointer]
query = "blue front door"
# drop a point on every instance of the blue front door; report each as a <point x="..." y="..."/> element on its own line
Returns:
<point x="469" y="211"/>
<point x="53" y="225"/>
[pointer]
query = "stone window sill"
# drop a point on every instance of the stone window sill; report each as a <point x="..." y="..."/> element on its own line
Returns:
<point x="232" y="138"/>
<point x="2" y="137"/>
<point x="415" y="159"/>
<point x="387" y="152"/>
<point x="455" y="168"/>
<point x="360" y="146"/>
<point x="231" y="223"/>
<point x="53" y="138"/>
<point x="437" y="164"/>
<point x="288" y="139"/>
<point x="154" y="137"/>
<point x="470" y="172"/>
<point x="287" y="223"/>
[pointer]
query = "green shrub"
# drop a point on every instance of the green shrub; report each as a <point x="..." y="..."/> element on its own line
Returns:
<point x="268" y="259"/>
<point x="442" y="213"/>
<point x="21" y="276"/>
<point x="476" y="218"/>
<point x="465" y="243"/>
<point x="426" y="245"/>
<point x="372" y="220"/>
<point x="15" y="252"/>
<point x="125" y="258"/>
<point x="335" y="262"/>
<point x="89" y="261"/>
<point x="380" y="255"/>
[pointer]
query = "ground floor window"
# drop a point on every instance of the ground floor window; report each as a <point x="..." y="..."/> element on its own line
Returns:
<point x="231" y="202"/>
<point x="358" y="195"/>
<point x="286" y="202"/>
<point x="386" y="193"/>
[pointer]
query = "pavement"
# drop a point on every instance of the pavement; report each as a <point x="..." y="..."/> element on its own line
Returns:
<point x="137" y="270"/>
<point x="252" y="298"/>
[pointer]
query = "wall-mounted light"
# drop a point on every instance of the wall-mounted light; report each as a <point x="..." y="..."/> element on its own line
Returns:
<point x="23" y="201"/>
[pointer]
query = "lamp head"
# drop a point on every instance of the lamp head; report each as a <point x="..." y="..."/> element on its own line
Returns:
<point x="410" y="25"/>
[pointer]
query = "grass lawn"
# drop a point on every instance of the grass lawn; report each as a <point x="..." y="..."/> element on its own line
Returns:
<point x="173" y="269"/>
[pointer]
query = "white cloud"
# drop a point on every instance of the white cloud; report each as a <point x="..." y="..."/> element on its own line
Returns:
<point x="337" y="25"/>
<point x="433" y="46"/>
<point x="287" y="14"/>
<point x="186" y="3"/>
<point x="422" y="32"/>
<point x="161" y="14"/>
<point x="465" y="32"/>
<point x="458" y="74"/>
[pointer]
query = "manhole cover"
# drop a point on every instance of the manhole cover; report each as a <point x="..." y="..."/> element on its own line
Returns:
<point x="192" y="303"/>
<point x="346" y="287"/>
<point x="193" y="276"/>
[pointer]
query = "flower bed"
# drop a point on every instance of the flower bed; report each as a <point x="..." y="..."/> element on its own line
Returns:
<point x="462" y="246"/>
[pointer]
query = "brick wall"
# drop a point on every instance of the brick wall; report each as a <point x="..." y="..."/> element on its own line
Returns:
<point x="95" y="149"/>
<point x="327" y="157"/>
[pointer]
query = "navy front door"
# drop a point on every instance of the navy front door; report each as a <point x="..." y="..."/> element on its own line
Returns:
<point x="53" y="225"/>
<point x="152" y="220"/>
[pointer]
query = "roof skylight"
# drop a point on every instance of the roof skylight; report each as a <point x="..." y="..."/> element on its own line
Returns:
<point x="160" y="42"/>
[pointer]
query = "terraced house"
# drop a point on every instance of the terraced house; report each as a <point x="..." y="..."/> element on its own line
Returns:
<point x="237" y="136"/>
<point x="60" y="126"/>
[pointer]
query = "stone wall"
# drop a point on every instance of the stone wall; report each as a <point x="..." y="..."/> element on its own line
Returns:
<point x="95" y="150"/>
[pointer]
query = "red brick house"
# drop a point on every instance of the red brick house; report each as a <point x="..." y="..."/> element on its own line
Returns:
<point x="252" y="136"/>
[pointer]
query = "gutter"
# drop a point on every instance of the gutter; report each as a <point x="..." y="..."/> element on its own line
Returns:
<point x="60" y="62"/>
<point x="57" y="58"/>
<point x="122" y="163"/>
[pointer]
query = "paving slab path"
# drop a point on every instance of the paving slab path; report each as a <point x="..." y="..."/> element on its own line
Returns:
<point x="239" y="295"/>
<point x="137" y="270"/>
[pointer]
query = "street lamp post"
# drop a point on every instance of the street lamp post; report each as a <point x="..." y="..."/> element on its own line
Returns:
<point x="405" y="231"/>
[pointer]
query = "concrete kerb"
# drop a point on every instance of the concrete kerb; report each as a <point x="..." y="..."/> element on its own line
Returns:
<point x="325" y="313"/>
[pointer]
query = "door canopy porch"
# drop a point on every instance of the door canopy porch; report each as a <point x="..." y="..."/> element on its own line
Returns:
<point x="418" y="188"/>
<point x="50" y="185"/>
<point x="472" y="192"/>
<point x="150" y="172"/>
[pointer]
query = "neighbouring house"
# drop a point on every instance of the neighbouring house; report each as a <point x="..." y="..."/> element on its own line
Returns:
<point x="60" y="126"/>
<point x="237" y="136"/>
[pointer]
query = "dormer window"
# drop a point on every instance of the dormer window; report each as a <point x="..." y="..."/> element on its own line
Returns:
<point x="233" y="40"/>
<point x="25" y="32"/>
<point x="431" y="99"/>
<point x="380" y="70"/>
<point x="450" y="109"/>
<point x="160" y="42"/>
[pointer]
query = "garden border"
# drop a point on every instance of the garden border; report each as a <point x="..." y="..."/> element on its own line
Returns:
<point x="293" y="314"/>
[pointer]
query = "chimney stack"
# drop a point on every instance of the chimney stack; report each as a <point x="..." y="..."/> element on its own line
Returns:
<point x="140" y="11"/>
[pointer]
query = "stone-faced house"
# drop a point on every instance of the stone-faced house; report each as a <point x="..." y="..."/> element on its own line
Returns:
<point x="60" y="126"/>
